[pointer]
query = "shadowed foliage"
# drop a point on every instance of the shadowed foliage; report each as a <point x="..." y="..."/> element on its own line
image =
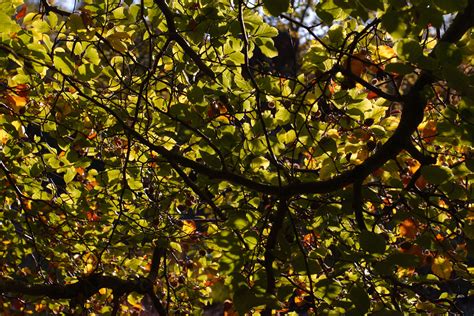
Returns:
<point x="236" y="157"/>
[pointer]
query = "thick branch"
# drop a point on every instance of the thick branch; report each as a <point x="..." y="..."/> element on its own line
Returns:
<point x="84" y="288"/>
<point x="158" y="254"/>
<point x="418" y="155"/>
<point x="277" y="224"/>
<point x="412" y="115"/>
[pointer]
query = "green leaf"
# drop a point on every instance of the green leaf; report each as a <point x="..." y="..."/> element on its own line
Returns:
<point x="239" y="221"/>
<point x="70" y="174"/>
<point x="409" y="49"/>
<point x="448" y="53"/>
<point x="360" y="299"/>
<point x="7" y="25"/>
<point x="276" y="7"/>
<point x="372" y="4"/>
<point x="328" y="11"/>
<point x="119" y="40"/>
<point x="399" y="68"/>
<point x="267" y="47"/>
<point x="394" y="23"/>
<point x="92" y="55"/>
<point x="63" y="63"/>
<point x="259" y="163"/>
<point x="336" y="34"/>
<point x="468" y="230"/>
<point x="455" y="78"/>
<point x="436" y="174"/>
<point x="403" y="260"/>
<point x="265" y="30"/>
<point x="372" y="242"/>
<point x="450" y="6"/>
<point x="287" y="138"/>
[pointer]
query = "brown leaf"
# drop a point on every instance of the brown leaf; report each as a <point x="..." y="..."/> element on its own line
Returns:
<point x="408" y="228"/>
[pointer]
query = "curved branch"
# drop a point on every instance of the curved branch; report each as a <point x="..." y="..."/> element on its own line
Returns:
<point x="412" y="115"/>
<point x="84" y="288"/>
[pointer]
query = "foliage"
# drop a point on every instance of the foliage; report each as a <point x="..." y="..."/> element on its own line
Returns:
<point x="170" y="157"/>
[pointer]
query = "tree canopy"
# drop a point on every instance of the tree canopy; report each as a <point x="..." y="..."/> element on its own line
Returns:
<point x="183" y="156"/>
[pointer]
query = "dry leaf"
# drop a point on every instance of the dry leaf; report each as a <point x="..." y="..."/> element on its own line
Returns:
<point x="408" y="228"/>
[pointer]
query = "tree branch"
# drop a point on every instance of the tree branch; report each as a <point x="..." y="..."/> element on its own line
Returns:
<point x="357" y="205"/>
<point x="174" y="35"/>
<point x="418" y="155"/>
<point x="412" y="115"/>
<point x="367" y="85"/>
<point x="158" y="253"/>
<point x="84" y="288"/>
<point x="277" y="224"/>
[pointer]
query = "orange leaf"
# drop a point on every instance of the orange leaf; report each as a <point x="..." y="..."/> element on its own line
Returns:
<point x="412" y="249"/>
<point x="16" y="102"/>
<point x="22" y="12"/>
<point x="40" y="307"/>
<point x="299" y="300"/>
<point x="92" y="134"/>
<point x="91" y="184"/>
<point x="372" y="95"/>
<point x="408" y="228"/>
<point x="92" y="216"/>
<point x="405" y="272"/>
<point x="428" y="131"/>
<point x="308" y="240"/>
<point x="413" y="165"/>
<point x="22" y="90"/>
<point x="81" y="171"/>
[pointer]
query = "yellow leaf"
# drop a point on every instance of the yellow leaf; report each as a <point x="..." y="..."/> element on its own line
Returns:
<point x="40" y="307"/>
<point x="135" y="300"/>
<point x="442" y="267"/>
<point x="386" y="52"/>
<point x="89" y="268"/>
<point x="90" y="258"/>
<point x="405" y="272"/>
<point x="91" y="262"/>
<point x="189" y="227"/>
